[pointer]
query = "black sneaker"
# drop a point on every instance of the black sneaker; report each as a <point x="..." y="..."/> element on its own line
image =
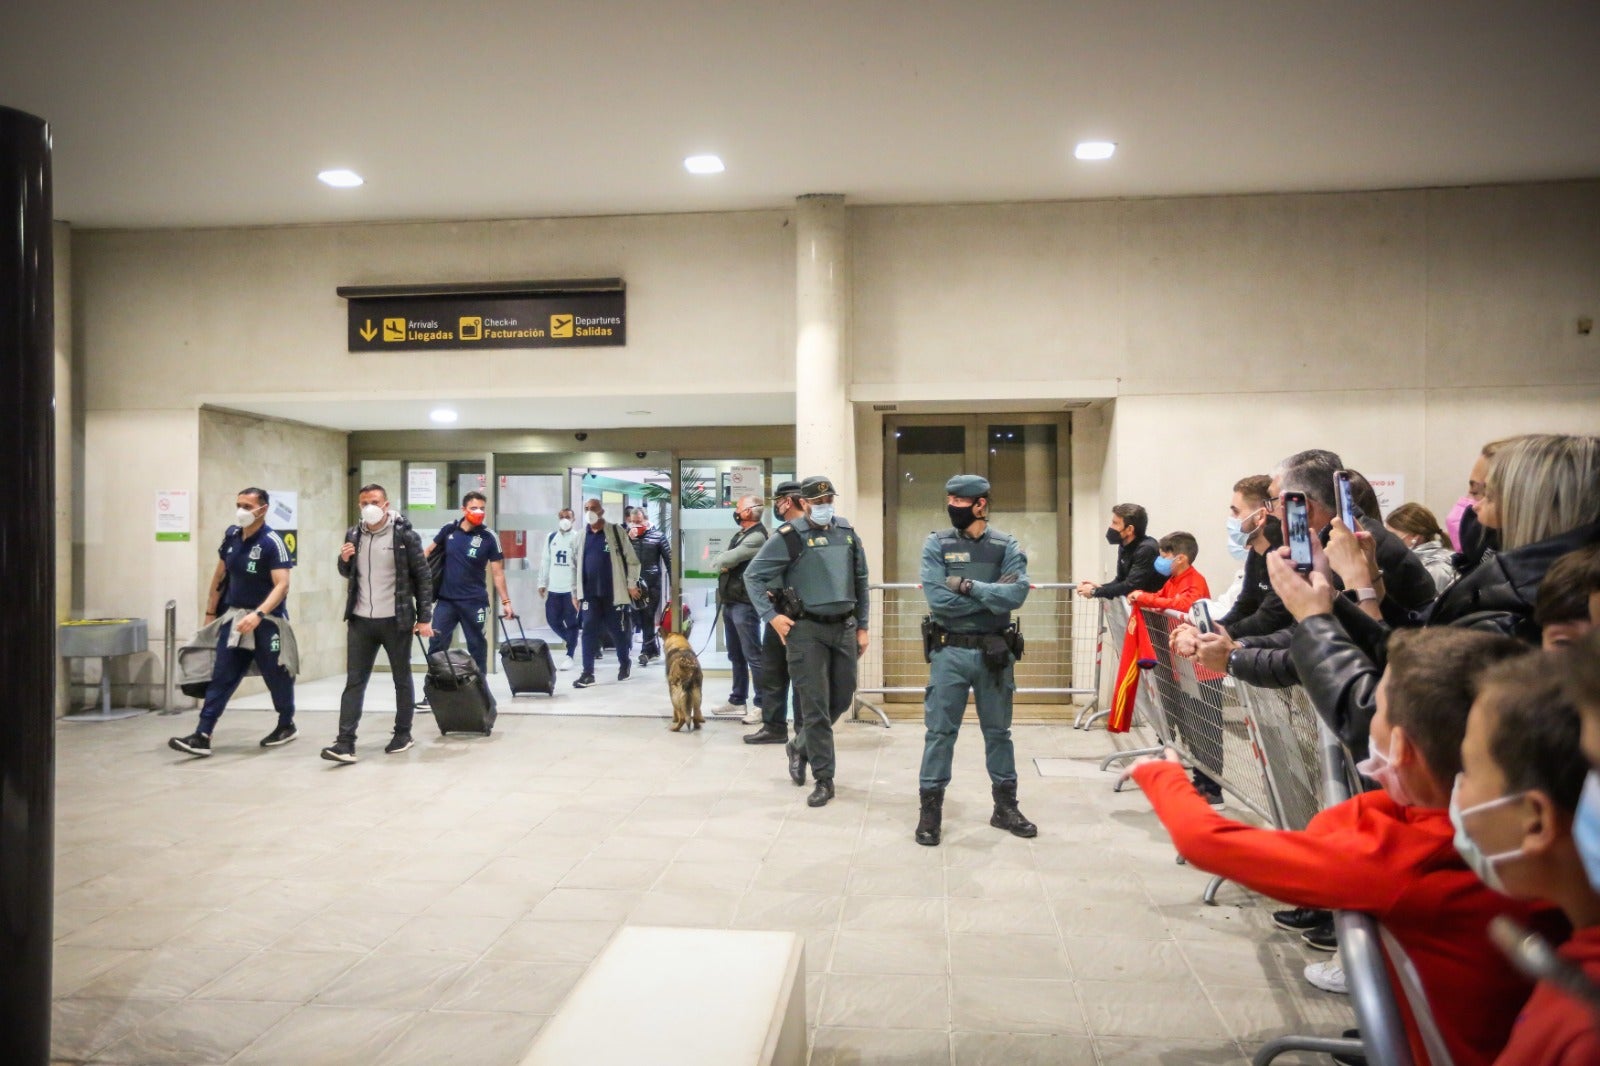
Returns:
<point x="1322" y="938"/>
<point x="421" y="705"/>
<point x="1301" y="919"/>
<point x="625" y="670"/>
<point x="281" y="735"/>
<point x="1352" y="1058"/>
<point x="340" y="751"/>
<point x="397" y="743"/>
<point x="644" y="658"/>
<point x="195" y="743"/>
<point x="584" y="681"/>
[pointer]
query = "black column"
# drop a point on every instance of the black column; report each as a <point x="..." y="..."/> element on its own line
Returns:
<point x="27" y="587"/>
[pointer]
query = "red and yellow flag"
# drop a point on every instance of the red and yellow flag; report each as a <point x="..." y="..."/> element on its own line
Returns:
<point x="1137" y="654"/>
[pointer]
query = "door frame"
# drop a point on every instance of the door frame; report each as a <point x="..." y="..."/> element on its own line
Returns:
<point x="976" y="461"/>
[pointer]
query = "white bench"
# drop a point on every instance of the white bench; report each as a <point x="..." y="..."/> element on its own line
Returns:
<point x="684" y="997"/>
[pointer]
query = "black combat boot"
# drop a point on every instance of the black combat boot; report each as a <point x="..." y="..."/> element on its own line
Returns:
<point x="932" y="816"/>
<point x="1006" y="815"/>
<point x="821" y="794"/>
<point x="797" y="763"/>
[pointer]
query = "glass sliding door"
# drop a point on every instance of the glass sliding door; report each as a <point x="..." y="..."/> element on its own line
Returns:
<point x="708" y="490"/>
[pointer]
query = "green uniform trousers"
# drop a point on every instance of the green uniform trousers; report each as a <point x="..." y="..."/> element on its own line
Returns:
<point x="953" y="672"/>
<point x="822" y="678"/>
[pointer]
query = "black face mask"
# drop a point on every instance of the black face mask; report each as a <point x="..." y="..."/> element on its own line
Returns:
<point x="1113" y="537"/>
<point x="960" y="517"/>
<point x="1274" y="532"/>
<point x="1477" y="538"/>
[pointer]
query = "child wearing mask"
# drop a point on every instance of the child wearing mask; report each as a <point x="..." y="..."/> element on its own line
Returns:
<point x="1389" y="852"/>
<point x="1513" y="808"/>
<point x="1184" y="584"/>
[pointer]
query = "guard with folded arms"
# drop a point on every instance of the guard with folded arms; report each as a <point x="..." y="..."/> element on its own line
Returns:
<point x="973" y="576"/>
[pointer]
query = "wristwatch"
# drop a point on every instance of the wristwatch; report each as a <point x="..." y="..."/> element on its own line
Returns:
<point x="1366" y="594"/>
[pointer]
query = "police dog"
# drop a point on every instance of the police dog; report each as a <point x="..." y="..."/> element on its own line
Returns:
<point x="683" y="682"/>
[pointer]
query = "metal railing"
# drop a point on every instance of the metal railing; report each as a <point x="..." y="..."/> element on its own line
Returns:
<point x="1062" y="632"/>
<point x="1268" y="749"/>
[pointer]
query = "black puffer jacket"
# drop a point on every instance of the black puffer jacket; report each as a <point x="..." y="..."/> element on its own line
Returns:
<point x="413" y="583"/>
<point x="1500" y="593"/>
<point x="1136" y="569"/>
<point x="1340" y="658"/>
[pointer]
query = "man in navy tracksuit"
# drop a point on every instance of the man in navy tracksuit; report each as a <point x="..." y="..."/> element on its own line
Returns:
<point x="471" y="549"/>
<point x="252" y="576"/>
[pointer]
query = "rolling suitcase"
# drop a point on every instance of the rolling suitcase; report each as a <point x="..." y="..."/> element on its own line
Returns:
<point x="457" y="693"/>
<point x="527" y="662"/>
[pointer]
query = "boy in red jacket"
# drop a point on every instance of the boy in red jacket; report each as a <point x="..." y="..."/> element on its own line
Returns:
<point x="1389" y="852"/>
<point x="1184" y="584"/>
<point x="1522" y="773"/>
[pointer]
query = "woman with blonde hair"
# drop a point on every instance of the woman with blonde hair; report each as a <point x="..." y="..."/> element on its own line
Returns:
<point x="1416" y="527"/>
<point x="1542" y="496"/>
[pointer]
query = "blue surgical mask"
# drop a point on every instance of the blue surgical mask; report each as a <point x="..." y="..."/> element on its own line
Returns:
<point x="1238" y="540"/>
<point x="1164" y="565"/>
<point x="1586" y="827"/>
<point x="822" y="513"/>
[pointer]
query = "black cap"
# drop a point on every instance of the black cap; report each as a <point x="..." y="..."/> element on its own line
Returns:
<point x="786" y="488"/>
<point x="816" y="487"/>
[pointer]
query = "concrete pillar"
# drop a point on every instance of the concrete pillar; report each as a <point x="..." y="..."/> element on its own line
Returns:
<point x="824" y="426"/>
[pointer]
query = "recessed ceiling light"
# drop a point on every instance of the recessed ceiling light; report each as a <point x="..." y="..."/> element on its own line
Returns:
<point x="443" y="415"/>
<point x="1095" y="149"/>
<point x="638" y="412"/>
<point x="703" y="164"/>
<point x="341" y="179"/>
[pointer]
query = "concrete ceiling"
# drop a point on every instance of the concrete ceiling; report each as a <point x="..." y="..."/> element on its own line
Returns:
<point x="199" y="113"/>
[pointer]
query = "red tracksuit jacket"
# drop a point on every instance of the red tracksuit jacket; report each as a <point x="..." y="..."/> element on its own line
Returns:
<point x="1395" y="863"/>
<point x="1178" y="594"/>
<point x="1555" y="1029"/>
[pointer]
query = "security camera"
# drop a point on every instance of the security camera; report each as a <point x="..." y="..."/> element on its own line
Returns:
<point x="581" y="436"/>
<point x="640" y="455"/>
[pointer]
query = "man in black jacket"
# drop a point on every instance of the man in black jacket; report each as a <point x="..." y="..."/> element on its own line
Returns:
<point x="1257" y="610"/>
<point x="390" y="597"/>
<point x="655" y="573"/>
<point x="1136" y="556"/>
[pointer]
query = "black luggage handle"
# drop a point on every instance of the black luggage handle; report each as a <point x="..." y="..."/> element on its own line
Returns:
<point x="522" y="634"/>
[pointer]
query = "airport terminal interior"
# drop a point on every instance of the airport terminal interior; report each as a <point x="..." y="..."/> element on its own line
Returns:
<point x="691" y="268"/>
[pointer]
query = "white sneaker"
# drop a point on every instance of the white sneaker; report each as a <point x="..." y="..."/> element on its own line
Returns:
<point x="730" y="708"/>
<point x="565" y="663"/>
<point x="1328" y="976"/>
<point x="754" y="717"/>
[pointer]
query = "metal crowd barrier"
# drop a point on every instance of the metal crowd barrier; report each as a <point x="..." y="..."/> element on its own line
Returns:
<point x="1062" y="632"/>
<point x="1268" y="749"/>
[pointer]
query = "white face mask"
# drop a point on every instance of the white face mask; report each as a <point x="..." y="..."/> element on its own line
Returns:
<point x="1485" y="866"/>
<point x="244" y="516"/>
<point x="592" y="517"/>
<point x="372" y="514"/>
<point x="564" y="525"/>
<point x="1378" y="766"/>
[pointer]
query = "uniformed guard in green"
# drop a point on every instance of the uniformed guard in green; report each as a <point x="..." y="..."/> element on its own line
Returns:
<point x="973" y="576"/>
<point x="818" y="561"/>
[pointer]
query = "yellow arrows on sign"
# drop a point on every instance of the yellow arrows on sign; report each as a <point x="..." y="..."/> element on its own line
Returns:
<point x="368" y="333"/>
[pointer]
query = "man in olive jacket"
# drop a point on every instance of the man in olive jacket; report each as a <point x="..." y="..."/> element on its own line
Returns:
<point x="390" y="598"/>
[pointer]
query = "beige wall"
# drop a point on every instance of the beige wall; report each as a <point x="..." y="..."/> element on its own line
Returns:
<point x="1401" y="329"/>
<point x="1215" y="335"/>
<point x="243" y="451"/>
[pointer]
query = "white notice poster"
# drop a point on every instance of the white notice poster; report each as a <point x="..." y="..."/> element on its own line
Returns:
<point x="744" y="481"/>
<point x="283" y="510"/>
<point x="422" y="488"/>
<point x="1390" y="489"/>
<point x="172" y="515"/>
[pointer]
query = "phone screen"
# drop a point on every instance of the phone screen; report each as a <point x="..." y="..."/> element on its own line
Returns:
<point x="1347" y="501"/>
<point x="1299" y="523"/>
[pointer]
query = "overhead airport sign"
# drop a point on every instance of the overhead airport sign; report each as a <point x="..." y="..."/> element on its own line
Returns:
<point x="560" y="314"/>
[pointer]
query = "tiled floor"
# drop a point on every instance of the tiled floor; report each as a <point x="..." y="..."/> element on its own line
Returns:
<point x="435" y="907"/>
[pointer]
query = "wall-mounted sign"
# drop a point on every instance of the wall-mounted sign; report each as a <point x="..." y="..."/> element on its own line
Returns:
<point x="1390" y="490"/>
<point x="172" y="515"/>
<point x="383" y="319"/>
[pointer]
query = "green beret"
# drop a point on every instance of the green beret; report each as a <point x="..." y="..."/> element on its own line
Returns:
<point x="816" y="487"/>
<point x="967" y="486"/>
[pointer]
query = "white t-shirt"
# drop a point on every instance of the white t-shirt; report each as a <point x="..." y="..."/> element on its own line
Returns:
<point x="557" y="571"/>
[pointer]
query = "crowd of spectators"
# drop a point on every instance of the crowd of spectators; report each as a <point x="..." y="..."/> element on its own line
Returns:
<point x="1459" y="665"/>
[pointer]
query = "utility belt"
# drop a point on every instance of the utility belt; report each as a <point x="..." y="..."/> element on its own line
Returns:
<point x="825" y="619"/>
<point x="787" y="602"/>
<point x="999" y="649"/>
